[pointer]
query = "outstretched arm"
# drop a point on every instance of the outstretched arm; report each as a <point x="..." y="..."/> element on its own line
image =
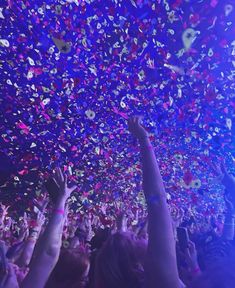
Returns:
<point x="50" y="243"/>
<point x="161" y="267"/>
<point x="228" y="229"/>
<point x="30" y="243"/>
<point x="226" y="178"/>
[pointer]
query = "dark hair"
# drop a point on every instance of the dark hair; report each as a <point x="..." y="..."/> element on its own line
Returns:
<point x="117" y="264"/>
<point x="100" y="237"/>
<point x="71" y="267"/>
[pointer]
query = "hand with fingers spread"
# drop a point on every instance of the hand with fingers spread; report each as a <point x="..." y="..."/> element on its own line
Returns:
<point x="227" y="179"/>
<point x="61" y="181"/>
<point x="40" y="219"/>
<point x="135" y="127"/>
<point x="42" y="203"/>
<point x="50" y="243"/>
<point x="32" y="237"/>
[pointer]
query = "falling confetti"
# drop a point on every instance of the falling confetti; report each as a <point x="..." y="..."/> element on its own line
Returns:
<point x="72" y="72"/>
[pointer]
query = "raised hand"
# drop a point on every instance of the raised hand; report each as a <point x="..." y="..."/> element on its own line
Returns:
<point x="40" y="219"/>
<point x="42" y="203"/>
<point x="23" y="233"/>
<point x="135" y="127"/>
<point x="229" y="205"/>
<point x="227" y="179"/>
<point x="4" y="209"/>
<point x="191" y="256"/>
<point x="61" y="181"/>
<point x="177" y="215"/>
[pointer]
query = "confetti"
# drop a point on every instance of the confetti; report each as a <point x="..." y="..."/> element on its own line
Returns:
<point x="1" y="14"/>
<point x="188" y="37"/>
<point x="72" y="72"/>
<point x="63" y="47"/>
<point x="4" y="43"/>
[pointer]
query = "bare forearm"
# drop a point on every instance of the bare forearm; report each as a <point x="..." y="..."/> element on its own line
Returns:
<point x="48" y="250"/>
<point x="160" y="225"/>
<point x="52" y="232"/>
<point x="27" y="253"/>
<point x="161" y="248"/>
<point x="152" y="180"/>
<point x="29" y="246"/>
<point x="49" y="245"/>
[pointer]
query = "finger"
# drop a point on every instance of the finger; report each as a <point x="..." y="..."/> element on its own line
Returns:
<point x="44" y="206"/>
<point x="73" y="188"/>
<point x="191" y="246"/>
<point x="61" y="175"/>
<point x="65" y="179"/>
<point x="224" y="168"/>
<point x="187" y="252"/>
<point x="55" y="176"/>
<point x="57" y="181"/>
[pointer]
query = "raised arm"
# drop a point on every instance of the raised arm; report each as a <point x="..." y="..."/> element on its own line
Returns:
<point x="30" y="243"/>
<point x="7" y="273"/>
<point x="49" y="244"/>
<point x="226" y="178"/>
<point x="228" y="229"/>
<point x="161" y="267"/>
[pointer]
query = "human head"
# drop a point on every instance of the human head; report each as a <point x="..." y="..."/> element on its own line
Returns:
<point x="118" y="264"/>
<point x="71" y="270"/>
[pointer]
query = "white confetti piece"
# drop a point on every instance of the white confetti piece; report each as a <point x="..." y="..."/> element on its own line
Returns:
<point x="229" y="123"/>
<point x="133" y="3"/>
<point x="30" y="75"/>
<point x="4" y="43"/>
<point x="228" y="9"/>
<point x="188" y="37"/>
<point x="1" y="14"/>
<point x="31" y="61"/>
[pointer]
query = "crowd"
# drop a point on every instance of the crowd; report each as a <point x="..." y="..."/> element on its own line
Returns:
<point x="162" y="246"/>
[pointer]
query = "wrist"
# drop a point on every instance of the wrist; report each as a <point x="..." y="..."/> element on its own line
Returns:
<point x="144" y="139"/>
<point x="60" y="203"/>
<point x="59" y="211"/>
<point x="195" y="270"/>
<point x="145" y="143"/>
<point x="35" y="230"/>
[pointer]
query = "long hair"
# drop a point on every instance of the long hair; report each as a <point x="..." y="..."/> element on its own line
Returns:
<point x="69" y="270"/>
<point x="117" y="263"/>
